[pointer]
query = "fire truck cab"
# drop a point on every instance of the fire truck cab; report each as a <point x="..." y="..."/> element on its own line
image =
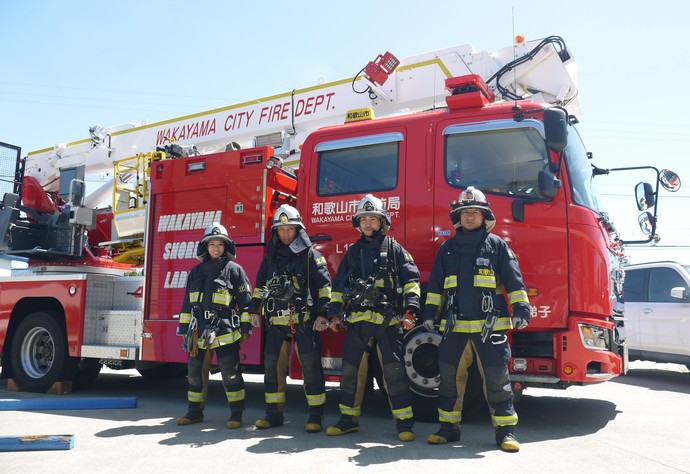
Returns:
<point x="545" y="206"/>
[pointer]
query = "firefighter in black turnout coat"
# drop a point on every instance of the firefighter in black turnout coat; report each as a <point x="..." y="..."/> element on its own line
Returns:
<point x="465" y="292"/>
<point x="377" y="290"/>
<point x="293" y="288"/>
<point x="214" y="318"/>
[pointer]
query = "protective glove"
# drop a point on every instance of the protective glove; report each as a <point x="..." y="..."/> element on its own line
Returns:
<point x="321" y="324"/>
<point x="408" y="320"/>
<point x="185" y="346"/>
<point x="336" y="324"/>
<point x="520" y="322"/>
<point x="245" y="331"/>
<point x="429" y="325"/>
<point x="255" y="320"/>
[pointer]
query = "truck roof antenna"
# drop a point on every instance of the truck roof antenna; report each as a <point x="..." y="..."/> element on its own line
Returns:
<point x="516" y="40"/>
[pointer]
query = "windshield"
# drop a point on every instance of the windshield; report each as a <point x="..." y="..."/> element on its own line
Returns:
<point x="582" y="186"/>
<point x="502" y="161"/>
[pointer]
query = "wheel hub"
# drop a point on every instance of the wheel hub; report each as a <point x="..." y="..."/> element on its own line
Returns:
<point x="421" y="361"/>
<point x="37" y="352"/>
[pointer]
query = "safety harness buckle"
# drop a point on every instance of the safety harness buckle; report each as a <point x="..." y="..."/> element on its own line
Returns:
<point x="235" y="320"/>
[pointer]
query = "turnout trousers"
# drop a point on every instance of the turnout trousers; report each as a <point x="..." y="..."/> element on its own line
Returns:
<point x="456" y="353"/>
<point x="360" y="339"/>
<point x="307" y="344"/>
<point x="197" y="376"/>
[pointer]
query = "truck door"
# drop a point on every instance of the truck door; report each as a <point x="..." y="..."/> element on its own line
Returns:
<point x="342" y="170"/>
<point x="502" y="159"/>
<point x="346" y="170"/>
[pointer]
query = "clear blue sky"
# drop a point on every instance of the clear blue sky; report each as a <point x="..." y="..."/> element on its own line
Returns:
<point x="70" y="65"/>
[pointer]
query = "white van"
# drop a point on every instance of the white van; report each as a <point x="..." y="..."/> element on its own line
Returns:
<point x="657" y="311"/>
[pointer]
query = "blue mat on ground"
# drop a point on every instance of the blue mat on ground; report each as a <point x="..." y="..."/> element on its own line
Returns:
<point x="61" y="403"/>
<point x="36" y="443"/>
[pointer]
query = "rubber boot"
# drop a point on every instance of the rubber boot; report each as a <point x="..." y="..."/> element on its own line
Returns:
<point x="448" y="433"/>
<point x="194" y="415"/>
<point x="271" y="420"/>
<point x="235" y="420"/>
<point x="405" y="429"/>
<point x="314" y="423"/>
<point x="346" y="424"/>
<point x="507" y="442"/>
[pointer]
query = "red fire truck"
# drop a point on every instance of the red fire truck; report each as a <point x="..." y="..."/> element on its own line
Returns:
<point x="103" y="285"/>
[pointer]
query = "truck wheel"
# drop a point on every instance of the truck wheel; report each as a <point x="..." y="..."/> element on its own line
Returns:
<point x="421" y="364"/>
<point x="39" y="353"/>
<point x="421" y="361"/>
<point x="425" y="408"/>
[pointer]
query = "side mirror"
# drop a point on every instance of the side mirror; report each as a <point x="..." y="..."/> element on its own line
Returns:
<point x="669" y="180"/>
<point x="644" y="196"/>
<point x="679" y="293"/>
<point x="548" y="184"/>
<point x="645" y="220"/>
<point x="556" y="128"/>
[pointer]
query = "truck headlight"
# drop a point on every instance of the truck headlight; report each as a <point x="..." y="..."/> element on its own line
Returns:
<point x="594" y="337"/>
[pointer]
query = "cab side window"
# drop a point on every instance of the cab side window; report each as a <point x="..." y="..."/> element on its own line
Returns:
<point x="634" y="286"/>
<point x="358" y="169"/>
<point x="661" y="280"/>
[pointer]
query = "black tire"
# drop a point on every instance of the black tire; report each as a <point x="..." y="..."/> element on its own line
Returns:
<point x="421" y="361"/>
<point x="39" y="355"/>
<point x="163" y="371"/>
<point x="421" y="364"/>
<point x="87" y="373"/>
<point x="425" y="408"/>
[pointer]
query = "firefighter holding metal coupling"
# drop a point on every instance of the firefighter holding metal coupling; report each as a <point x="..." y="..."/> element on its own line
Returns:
<point x="214" y="318"/>
<point x="465" y="292"/>
<point x="376" y="291"/>
<point x="293" y="288"/>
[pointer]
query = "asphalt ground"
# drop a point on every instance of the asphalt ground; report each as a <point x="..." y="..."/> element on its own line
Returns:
<point x="636" y="423"/>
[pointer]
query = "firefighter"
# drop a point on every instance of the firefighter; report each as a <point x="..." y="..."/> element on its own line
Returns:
<point x="465" y="290"/>
<point x="214" y="318"/>
<point x="293" y="288"/>
<point x="376" y="290"/>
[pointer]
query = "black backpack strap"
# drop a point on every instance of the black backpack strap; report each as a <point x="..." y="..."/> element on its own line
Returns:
<point x="389" y="266"/>
<point x="307" y="281"/>
<point x="351" y="260"/>
<point x="383" y="261"/>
